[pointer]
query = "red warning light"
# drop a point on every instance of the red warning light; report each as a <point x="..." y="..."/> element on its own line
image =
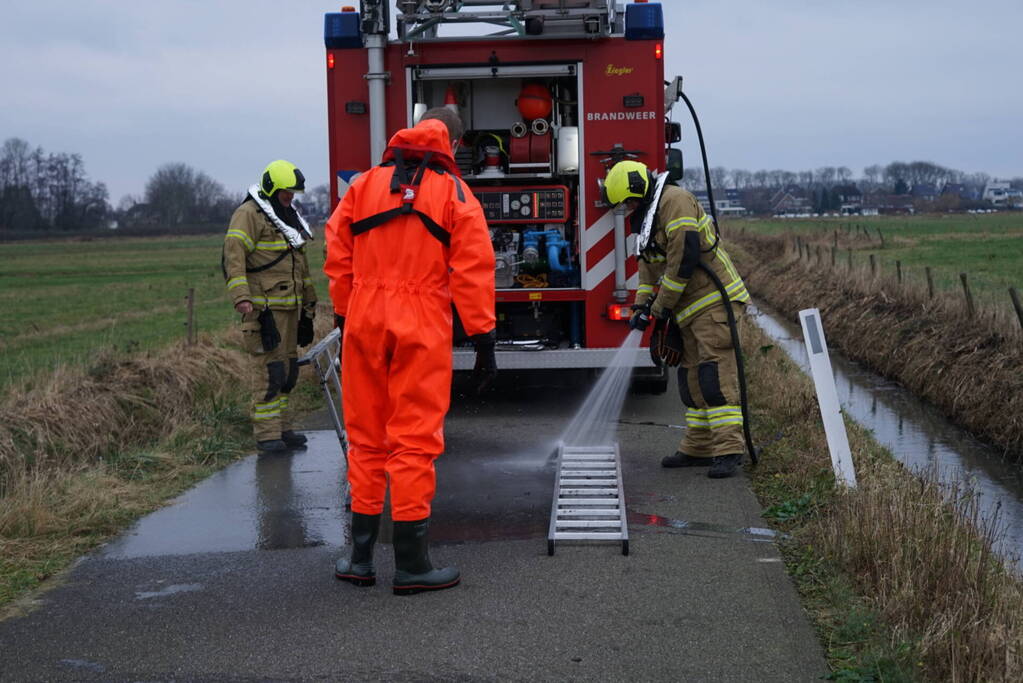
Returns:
<point x="618" y="312"/>
<point x="658" y="51"/>
<point x="330" y="60"/>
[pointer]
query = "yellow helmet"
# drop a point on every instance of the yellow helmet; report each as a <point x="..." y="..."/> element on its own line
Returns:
<point x="281" y="175"/>
<point x="627" y="180"/>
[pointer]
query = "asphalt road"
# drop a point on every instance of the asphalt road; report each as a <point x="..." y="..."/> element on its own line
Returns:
<point x="234" y="581"/>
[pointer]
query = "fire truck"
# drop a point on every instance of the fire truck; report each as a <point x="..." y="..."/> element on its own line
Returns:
<point x="552" y="93"/>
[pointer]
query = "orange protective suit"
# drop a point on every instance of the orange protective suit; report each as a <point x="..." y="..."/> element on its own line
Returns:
<point x="395" y="284"/>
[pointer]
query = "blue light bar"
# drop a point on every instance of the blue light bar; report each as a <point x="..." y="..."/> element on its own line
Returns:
<point x="644" y="21"/>
<point x="342" y="30"/>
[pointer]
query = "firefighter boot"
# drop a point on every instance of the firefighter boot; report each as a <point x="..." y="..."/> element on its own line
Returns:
<point x="271" y="446"/>
<point x="358" y="569"/>
<point x="680" y="459"/>
<point x="413" y="570"/>
<point x="293" y="439"/>
<point x="724" y="465"/>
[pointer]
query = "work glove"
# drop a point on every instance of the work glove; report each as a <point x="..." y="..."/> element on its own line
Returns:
<point x="305" y="329"/>
<point x="669" y="346"/>
<point x="485" y="370"/>
<point x="656" y="338"/>
<point x="268" y="334"/>
<point x="640" y="319"/>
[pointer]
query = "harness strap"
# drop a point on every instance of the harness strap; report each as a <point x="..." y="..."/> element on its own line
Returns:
<point x="265" y="266"/>
<point x="376" y="220"/>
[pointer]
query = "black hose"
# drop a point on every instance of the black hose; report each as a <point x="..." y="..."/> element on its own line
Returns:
<point x="706" y="174"/>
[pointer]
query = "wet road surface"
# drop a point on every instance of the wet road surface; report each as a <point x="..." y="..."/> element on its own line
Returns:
<point x="234" y="580"/>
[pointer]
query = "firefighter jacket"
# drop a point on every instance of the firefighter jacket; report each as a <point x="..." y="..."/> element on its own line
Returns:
<point x="260" y="265"/>
<point x="682" y="237"/>
<point x="404" y="253"/>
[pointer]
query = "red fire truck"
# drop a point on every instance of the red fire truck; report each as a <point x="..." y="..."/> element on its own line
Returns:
<point x="552" y="92"/>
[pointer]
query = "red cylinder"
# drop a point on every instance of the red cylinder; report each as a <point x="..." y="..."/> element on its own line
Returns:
<point x="534" y="101"/>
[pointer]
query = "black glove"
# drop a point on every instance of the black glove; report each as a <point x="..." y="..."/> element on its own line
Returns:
<point x="640" y="317"/>
<point x="305" y="329"/>
<point x="268" y="334"/>
<point x="656" y="341"/>
<point x="485" y="370"/>
<point x="669" y="348"/>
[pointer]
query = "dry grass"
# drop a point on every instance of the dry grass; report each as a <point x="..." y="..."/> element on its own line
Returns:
<point x="915" y="552"/>
<point x="971" y="368"/>
<point x="85" y="451"/>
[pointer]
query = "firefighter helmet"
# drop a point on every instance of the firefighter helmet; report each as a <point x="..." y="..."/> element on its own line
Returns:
<point x="282" y="175"/>
<point x="627" y="180"/>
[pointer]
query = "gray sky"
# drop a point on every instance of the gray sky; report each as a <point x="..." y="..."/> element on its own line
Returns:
<point x="227" y="86"/>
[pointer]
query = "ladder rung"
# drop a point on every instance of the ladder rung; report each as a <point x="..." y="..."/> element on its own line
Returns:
<point x="587" y="491"/>
<point x="589" y="501"/>
<point x="588" y="523"/>
<point x="587" y="449"/>
<point x="573" y="457"/>
<point x="588" y="471"/>
<point x="583" y="535"/>
<point x="587" y="482"/>
<point x="591" y="512"/>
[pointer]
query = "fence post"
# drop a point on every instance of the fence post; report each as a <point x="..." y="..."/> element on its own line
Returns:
<point x="818" y="254"/>
<point x="190" y="323"/>
<point x="930" y="282"/>
<point x="849" y="253"/>
<point x="836" y="237"/>
<point x="898" y="271"/>
<point x="833" y="251"/>
<point x="881" y="235"/>
<point x="969" y="297"/>
<point x="873" y="266"/>
<point x="1016" y="304"/>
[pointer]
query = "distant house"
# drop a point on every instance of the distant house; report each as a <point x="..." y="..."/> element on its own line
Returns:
<point x="1000" y="193"/>
<point x="882" y="204"/>
<point x="927" y="192"/>
<point x="791" y="200"/>
<point x="728" y="205"/>
<point x="850" y="199"/>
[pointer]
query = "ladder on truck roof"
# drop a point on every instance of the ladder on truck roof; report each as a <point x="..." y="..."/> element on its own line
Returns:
<point x="589" y="499"/>
<point x="419" y="19"/>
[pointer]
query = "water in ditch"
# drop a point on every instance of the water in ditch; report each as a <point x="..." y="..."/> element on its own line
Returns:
<point x="918" y="434"/>
<point x="596" y="420"/>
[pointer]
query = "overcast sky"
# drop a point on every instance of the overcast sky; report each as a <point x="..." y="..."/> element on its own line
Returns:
<point x="227" y="86"/>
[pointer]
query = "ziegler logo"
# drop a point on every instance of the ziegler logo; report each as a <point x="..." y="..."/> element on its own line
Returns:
<point x="613" y="70"/>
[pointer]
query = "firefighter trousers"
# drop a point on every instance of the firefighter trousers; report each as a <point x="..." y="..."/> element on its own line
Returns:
<point x="708" y="381"/>
<point x="272" y="374"/>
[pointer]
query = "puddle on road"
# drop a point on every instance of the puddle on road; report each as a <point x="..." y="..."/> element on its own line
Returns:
<point x="917" y="433"/>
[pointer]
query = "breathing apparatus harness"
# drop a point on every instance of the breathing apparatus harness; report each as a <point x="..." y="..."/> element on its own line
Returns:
<point x="733" y="328"/>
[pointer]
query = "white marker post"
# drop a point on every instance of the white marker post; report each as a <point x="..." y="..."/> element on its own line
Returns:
<point x="827" y="396"/>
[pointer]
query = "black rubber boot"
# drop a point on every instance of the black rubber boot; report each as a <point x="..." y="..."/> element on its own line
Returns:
<point x="358" y="569"/>
<point x="413" y="570"/>
<point x="271" y="446"/>
<point x="724" y="465"/>
<point x="680" y="459"/>
<point x="293" y="439"/>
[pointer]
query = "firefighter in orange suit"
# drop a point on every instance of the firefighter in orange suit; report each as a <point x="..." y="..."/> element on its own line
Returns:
<point x="407" y="240"/>
<point x="675" y="242"/>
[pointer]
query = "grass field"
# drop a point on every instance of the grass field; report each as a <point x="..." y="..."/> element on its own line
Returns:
<point x="62" y="302"/>
<point x="988" y="247"/>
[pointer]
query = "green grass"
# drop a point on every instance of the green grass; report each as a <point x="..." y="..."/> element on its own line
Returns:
<point x="62" y="302"/>
<point x="987" y="247"/>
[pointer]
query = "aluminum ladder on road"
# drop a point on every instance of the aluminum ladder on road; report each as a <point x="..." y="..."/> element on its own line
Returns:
<point x="589" y="499"/>
<point x="323" y="357"/>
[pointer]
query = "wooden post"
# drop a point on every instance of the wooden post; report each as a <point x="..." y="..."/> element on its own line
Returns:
<point x="818" y="254"/>
<point x="836" y="238"/>
<point x="1016" y="304"/>
<point x="190" y="323"/>
<point x="898" y="271"/>
<point x="881" y="235"/>
<point x="969" y="297"/>
<point x="834" y="250"/>
<point x="930" y="282"/>
<point x="873" y="266"/>
<point x="849" y="254"/>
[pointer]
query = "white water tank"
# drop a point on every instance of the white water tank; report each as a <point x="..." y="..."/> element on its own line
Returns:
<point x="568" y="149"/>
